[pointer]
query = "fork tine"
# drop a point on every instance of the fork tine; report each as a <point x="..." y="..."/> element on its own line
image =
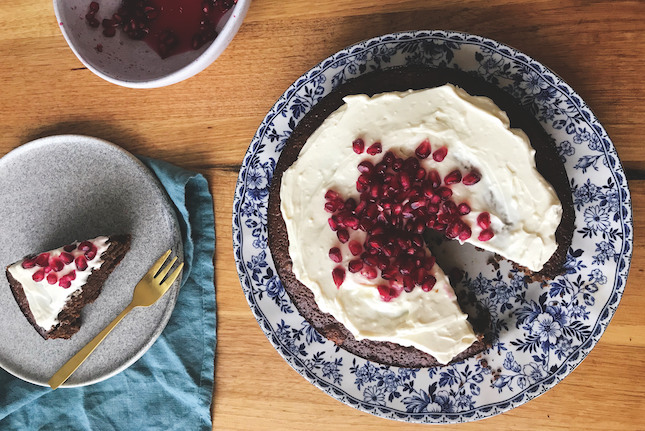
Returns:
<point x="172" y="277"/>
<point x="165" y="270"/>
<point x="155" y="267"/>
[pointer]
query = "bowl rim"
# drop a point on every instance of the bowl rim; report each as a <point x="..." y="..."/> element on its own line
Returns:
<point x="200" y="63"/>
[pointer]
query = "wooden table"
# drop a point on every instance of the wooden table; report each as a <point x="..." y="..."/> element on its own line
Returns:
<point x="206" y="123"/>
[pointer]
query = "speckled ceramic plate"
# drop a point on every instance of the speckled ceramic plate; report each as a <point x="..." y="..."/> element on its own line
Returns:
<point x="542" y="333"/>
<point x="63" y="188"/>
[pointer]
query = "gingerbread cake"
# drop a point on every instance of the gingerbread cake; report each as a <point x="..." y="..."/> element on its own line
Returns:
<point x="52" y="287"/>
<point x="455" y="194"/>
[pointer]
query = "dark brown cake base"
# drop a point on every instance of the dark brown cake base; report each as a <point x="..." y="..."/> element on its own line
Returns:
<point x="70" y="316"/>
<point x="401" y="79"/>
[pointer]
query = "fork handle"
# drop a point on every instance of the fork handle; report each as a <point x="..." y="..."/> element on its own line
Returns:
<point x="70" y="366"/>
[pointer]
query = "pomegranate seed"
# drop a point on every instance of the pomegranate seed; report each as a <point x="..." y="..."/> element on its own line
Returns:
<point x="66" y="257"/>
<point x="388" y="158"/>
<point x="423" y="150"/>
<point x="429" y="262"/>
<point x="428" y="284"/>
<point x="406" y="267"/>
<point x="91" y="254"/>
<point x="355" y="265"/>
<point x="338" y="274"/>
<point x="411" y="165"/>
<point x="374" y="149"/>
<point x="452" y="231"/>
<point x="343" y="235"/>
<point x="404" y="180"/>
<point x="350" y="204"/>
<point x="368" y="272"/>
<point x="448" y="207"/>
<point x="384" y="291"/>
<point x="94" y="6"/>
<point x="396" y="287"/>
<point x="333" y="224"/>
<point x="71" y="275"/>
<point x="465" y="233"/>
<point x="52" y="278"/>
<point x="367" y="224"/>
<point x="419" y="226"/>
<point x="81" y="263"/>
<point x="483" y="220"/>
<point x="56" y="264"/>
<point x="330" y="207"/>
<point x="380" y="168"/>
<point x="331" y="195"/>
<point x="69" y="247"/>
<point x="378" y="230"/>
<point x="463" y="208"/>
<point x="360" y="207"/>
<point x="444" y="193"/>
<point x="85" y="246"/>
<point x="28" y="263"/>
<point x="420" y="276"/>
<point x="365" y="167"/>
<point x="355" y="248"/>
<point x="440" y="154"/>
<point x="335" y="255"/>
<point x="64" y="283"/>
<point x="471" y="178"/>
<point x="453" y="177"/>
<point x="439" y="227"/>
<point x="397" y="164"/>
<point x="369" y="259"/>
<point x="42" y="259"/>
<point x="358" y="145"/>
<point x="388" y="250"/>
<point x="382" y="262"/>
<point x="351" y="222"/>
<point x="39" y="275"/>
<point x="485" y="235"/>
<point x="434" y="178"/>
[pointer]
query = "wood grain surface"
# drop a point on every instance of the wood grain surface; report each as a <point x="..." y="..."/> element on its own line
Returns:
<point x="206" y="123"/>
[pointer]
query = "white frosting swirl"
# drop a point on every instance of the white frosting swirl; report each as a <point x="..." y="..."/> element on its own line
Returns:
<point x="524" y="209"/>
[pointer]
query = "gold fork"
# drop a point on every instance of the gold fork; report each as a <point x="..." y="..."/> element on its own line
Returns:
<point x="151" y="287"/>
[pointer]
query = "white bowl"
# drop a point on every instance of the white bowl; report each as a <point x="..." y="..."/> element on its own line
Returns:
<point x="132" y="63"/>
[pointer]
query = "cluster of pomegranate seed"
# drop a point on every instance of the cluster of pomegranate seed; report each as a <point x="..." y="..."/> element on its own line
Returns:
<point x="136" y="18"/>
<point x="51" y="266"/>
<point x="399" y="200"/>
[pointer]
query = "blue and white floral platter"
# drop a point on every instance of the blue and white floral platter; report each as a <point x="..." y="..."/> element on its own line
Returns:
<point x="542" y="332"/>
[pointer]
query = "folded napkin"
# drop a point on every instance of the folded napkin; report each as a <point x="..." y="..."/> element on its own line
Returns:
<point x="170" y="386"/>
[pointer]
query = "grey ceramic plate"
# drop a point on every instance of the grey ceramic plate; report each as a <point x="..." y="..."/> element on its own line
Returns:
<point x="64" y="188"/>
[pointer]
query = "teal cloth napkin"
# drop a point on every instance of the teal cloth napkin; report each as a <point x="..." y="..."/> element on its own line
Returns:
<point x="170" y="387"/>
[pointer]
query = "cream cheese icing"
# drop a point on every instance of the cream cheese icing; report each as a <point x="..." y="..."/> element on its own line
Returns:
<point x="47" y="300"/>
<point x="523" y="207"/>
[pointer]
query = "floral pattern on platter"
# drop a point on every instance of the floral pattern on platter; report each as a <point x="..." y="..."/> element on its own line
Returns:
<point x="542" y="332"/>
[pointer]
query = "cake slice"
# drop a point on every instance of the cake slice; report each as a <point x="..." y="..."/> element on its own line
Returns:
<point x="51" y="288"/>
